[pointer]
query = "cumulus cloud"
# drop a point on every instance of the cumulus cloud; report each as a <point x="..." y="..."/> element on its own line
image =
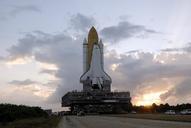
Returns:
<point x="60" y="50"/>
<point x="181" y="91"/>
<point x="143" y="66"/>
<point x="184" y="88"/>
<point x="144" y="73"/>
<point x="166" y="95"/>
<point x="26" y="45"/>
<point x="124" y="30"/>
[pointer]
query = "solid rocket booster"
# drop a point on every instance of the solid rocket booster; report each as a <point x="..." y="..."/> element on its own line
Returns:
<point x="101" y="49"/>
<point x="85" y="45"/>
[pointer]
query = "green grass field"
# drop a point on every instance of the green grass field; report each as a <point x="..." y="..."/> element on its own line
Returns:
<point x="181" y="118"/>
<point x="51" y="122"/>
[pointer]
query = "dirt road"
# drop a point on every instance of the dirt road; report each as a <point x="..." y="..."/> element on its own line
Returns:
<point x="117" y="122"/>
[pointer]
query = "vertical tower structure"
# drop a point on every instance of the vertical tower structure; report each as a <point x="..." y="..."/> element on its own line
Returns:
<point x="94" y="77"/>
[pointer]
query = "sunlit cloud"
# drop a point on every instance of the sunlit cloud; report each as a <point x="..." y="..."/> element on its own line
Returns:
<point x="36" y="89"/>
<point x="48" y="66"/>
<point x="43" y="92"/>
<point x="18" y="61"/>
<point x="148" y="99"/>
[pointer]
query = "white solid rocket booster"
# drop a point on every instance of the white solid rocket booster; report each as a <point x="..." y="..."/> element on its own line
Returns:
<point x="85" y="45"/>
<point x="101" y="49"/>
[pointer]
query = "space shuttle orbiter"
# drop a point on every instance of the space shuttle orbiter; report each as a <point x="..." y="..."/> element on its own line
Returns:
<point x="94" y="76"/>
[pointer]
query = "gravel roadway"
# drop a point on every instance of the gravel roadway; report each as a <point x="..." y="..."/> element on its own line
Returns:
<point x="117" y="122"/>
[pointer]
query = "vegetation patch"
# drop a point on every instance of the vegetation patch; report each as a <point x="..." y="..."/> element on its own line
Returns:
<point x="10" y="112"/>
<point x="181" y="118"/>
<point x="42" y="122"/>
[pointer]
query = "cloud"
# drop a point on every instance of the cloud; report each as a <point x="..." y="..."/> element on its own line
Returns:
<point x="81" y="22"/>
<point x="24" y="82"/>
<point x="124" y="30"/>
<point x="171" y="50"/>
<point x="144" y="73"/>
<point x="48" y="71"/>
<point x="2" y="58"/>
<point x="186" y="48"/>
<point x="144" y="66"/>
<point x="25" y="8"/>
<point x="60" y="50"/>
<point x="31" y="42"/>
<point x="166" y="95"/>
<point x="133" y="51"/>
<point x="14" y="10"/>
<point x="184" y="88"/>
<point x="27" y="92"/>
<point x="181" y="91"/>
<point x="137" y="71"/>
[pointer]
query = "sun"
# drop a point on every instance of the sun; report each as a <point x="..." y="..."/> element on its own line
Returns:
<point x="149" y="99"/>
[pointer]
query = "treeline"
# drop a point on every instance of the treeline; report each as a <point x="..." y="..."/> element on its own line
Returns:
<point x="154" y="108"/>
<point x="10" y="112"/>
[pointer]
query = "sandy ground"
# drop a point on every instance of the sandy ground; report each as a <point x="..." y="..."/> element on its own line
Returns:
<point x="117" y="122"/>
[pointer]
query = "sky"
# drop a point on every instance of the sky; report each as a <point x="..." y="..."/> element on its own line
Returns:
<point x="147" y="49"/>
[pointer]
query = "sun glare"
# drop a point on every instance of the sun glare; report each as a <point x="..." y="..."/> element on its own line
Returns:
<point x="149" y="99"/>
<point x="114" y="66"/>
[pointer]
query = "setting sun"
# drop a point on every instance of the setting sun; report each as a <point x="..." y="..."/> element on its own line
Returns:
<point x="148" y="99"/>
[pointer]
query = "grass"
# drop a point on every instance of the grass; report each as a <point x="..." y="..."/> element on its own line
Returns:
<point x="181" y="118"/>
<point x="50" y="122"/>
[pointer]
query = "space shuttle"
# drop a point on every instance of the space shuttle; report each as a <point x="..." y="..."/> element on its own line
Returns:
<point x="94" y="77"/>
